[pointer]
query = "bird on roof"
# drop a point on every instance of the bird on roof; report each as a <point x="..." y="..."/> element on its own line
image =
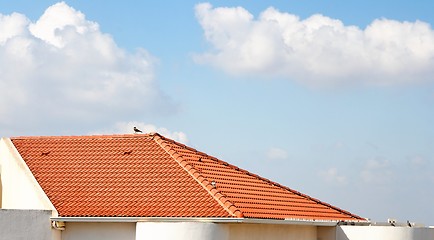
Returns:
<point x="136" y="130"/>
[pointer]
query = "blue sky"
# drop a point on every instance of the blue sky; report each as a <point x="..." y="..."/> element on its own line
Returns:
<point x="332" y="98"/>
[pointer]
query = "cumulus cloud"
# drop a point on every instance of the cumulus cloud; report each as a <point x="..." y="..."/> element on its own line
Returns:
<point x="62" y="68"/>
<point x="276" y="154"/>
<point x="127" y="128"/>
<point x="317" y="51"/>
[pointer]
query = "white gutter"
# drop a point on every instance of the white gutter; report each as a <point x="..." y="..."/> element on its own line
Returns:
<point x="213" y="220"/>
<point x="292" y="221"/>
<point x="144" y="219"/>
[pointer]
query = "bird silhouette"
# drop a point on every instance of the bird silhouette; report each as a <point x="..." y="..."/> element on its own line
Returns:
<point x="136" y="130"/>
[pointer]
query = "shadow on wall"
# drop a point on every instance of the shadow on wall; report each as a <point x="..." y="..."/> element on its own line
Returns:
<point x="1" y="188"/>
<point x="341" y="235"/>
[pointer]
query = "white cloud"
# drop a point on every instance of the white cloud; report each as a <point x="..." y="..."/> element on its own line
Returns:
<point x="378" y="171"/>
<point x="62" y="68"/>
<point x="339" y="145"/>
<point x="418" y="161"/>
<point x="276" y="154"/>
<point x="332" y="175"/>
<point x="59" y="18"/>
<point x="318" y="51"/>
<point x="127" y="128"/>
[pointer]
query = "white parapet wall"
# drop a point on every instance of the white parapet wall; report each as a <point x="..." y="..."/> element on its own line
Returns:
<point x="272" y="231"/>
<point x="19" y="188"/>
<point x="222" y="231"/>
<point x="383" y="233"/>
<point x="181" y="231"/>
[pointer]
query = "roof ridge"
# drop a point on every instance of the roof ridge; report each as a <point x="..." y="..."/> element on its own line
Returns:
<point x="203" y="181"/>
<point x="87" y="136"/>
<point x="262" y="178"/>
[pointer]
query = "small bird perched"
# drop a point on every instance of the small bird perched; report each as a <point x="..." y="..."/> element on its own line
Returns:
<point x="136" y="130"/>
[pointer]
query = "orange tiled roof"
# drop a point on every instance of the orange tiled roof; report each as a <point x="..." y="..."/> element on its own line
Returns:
<point x="148" y="175"/>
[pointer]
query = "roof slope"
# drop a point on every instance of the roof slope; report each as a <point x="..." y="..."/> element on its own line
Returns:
<point x="148" y="175"/>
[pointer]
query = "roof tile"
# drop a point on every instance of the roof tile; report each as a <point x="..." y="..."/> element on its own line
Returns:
<point x="148" y="175"/>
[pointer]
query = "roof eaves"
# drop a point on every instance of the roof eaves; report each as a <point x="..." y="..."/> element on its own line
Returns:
<point x="211" y="219"/>
<point x="217" y="195"/>
<point x="149" y="219"/>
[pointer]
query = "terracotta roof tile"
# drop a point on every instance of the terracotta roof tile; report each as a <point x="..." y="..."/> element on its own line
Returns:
<point x="148" y="175"/>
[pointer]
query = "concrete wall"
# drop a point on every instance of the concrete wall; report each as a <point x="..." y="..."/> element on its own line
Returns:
<point x="20" y="190"/>
<point x="383" y="233"/>
<point x="97" y="231"/>
<point x="222" y="231"/>
<point x="26" y="224"/>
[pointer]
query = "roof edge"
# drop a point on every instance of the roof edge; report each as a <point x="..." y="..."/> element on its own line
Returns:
<point x="147" y="219"/>
<point x="217" y="195"/>
<point x="208" y="219"/>
<point x="320" y="202"/>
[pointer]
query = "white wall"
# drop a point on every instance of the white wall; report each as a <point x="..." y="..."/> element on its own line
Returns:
<point x="326" y="233"/>
<point x="181" y="231"/>
<point x="222" y="231"/>
<point x="97" y="231"/>
<point x="20" y="189"/>
<point x="26" y="224"/>
<point x="271" y="231"/>
<point x="383" y="233"/>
